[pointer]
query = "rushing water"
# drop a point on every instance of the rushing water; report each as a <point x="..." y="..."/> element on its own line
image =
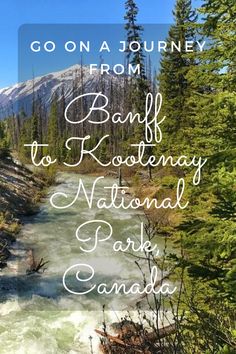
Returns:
<point x="37" y="314"/>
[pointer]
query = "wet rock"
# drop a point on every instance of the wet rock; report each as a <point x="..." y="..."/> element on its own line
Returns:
<point x="7" y="237"/>
<point x="3" y="265"/>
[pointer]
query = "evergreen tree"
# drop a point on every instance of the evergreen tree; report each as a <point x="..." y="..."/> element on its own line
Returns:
<point x="3" y="138"/>
<point x="213" y="93"/>
<point x="35" y="128"/>
<point x="134" y="32"/>
<point x="209" y="248"/>
<point x="25" y="138"/>
<point x="208" y="232"/>
<point x="2" y="133"/>
<point x="140" y="85"/>
<point x="53" y="130"/>
<point x="173" y="82"/>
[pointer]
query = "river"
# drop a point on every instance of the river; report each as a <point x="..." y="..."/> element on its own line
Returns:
<point x="37" y="314"/>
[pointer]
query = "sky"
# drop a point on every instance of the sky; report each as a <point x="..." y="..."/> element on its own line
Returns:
<point x="15" y="13"/>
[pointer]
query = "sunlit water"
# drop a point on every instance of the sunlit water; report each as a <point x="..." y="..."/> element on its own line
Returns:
<point x="37" y="314"/>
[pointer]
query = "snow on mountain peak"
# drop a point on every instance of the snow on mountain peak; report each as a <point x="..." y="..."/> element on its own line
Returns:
<point x="20" y="96"/>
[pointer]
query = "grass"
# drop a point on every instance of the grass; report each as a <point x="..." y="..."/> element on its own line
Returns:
<point x="8" y="223"/>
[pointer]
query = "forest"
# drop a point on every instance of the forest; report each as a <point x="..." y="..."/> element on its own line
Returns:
<point x="199" y="102"/>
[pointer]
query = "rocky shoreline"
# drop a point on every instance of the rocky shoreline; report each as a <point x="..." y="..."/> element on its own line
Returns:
<point x="20" y="193"/>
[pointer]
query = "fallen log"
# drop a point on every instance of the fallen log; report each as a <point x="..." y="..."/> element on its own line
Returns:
<point x="114" y="339"/>
<point x="162" y="332"/>
<point x="116" y="343"/>
<point x="133" y="336"/>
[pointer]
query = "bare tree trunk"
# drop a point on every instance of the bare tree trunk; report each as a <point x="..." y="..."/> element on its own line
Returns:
<point x="120" y="177"/>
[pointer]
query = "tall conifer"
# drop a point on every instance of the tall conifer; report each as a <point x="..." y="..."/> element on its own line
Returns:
<point x="173" y="83"/>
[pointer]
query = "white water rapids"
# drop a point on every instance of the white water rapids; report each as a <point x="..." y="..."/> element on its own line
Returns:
<point x="38" y="316"/>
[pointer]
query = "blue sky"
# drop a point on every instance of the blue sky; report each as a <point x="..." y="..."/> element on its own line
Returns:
<point x="14" y="13"/>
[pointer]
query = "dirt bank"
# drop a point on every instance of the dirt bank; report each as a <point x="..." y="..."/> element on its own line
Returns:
<point x="20" y="192"/>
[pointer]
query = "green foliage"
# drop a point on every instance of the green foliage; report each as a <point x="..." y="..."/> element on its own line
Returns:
<point x="225" y="191"/>
<point x="35" y="128"/>
<point x="134" y="31"/>
<point x="25" y="138"/>
<point x="53" y="130"/>
<point x="134" y="34"/>
<point x="200" y="105"/>
<point x="3" y="136"/>
<point x="213" y="103"/>
<point x="173" y="80"/>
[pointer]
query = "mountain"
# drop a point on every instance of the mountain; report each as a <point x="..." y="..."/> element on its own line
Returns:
<point x="20" y="96"/>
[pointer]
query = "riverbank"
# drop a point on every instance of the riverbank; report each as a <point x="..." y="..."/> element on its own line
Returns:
<point x="20" y="192"/>
<point x="58" y="320"/>
<point x="38" y="234"/>
<point x="159" y="183"/>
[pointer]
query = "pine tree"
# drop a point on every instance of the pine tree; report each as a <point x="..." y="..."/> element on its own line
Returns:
<point x="134" y="34"/>
<point x="25" y="138"/>
<point x="173" y="83"/>
<point x="214" y="93"/>
<point x="140" y="85"/>
<point x="53" y="130"/>
<point x="35" y="128"/>
<point x="3" y="138"/>
<point x="208" y="235"/>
